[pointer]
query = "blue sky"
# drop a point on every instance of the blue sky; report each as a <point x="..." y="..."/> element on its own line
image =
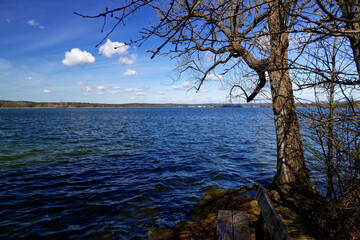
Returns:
<point x="48" y="53"/>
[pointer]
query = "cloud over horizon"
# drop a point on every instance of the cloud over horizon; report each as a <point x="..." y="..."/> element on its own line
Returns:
<point x="184" y="86"/>
<point x="139" y="94"/>
<point x="81" y="83"/>
<point x="128" y="60"/>
<point x="76" y="57"/>
<point x="88" y="89"/>
<point x="109" y="49"/>
<point x="129" y="72"/>
<point x="137" y="89"/>
<point x="214" y="77"/>
<point x="101" y="88"/>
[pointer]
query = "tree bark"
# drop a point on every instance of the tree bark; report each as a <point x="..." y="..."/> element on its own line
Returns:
<point x="355" y="45"/>
<point x="350" y="10"/>
<point x="290" y="156"/>
<point x="330" y="126"/>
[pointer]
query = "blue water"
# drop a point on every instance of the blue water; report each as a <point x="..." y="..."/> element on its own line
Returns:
<point x="116" y="173"/>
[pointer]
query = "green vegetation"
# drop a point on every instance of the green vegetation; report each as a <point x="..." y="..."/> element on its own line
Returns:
<point x="293" y="212"/>
<point x="305" y="213"/>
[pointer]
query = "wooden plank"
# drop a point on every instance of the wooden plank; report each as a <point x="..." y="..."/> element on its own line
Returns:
<point x="273" y="222"/>
<point x="241" y="225"/>
<point x="224" y="225"/>
<point x="233" y="225"/>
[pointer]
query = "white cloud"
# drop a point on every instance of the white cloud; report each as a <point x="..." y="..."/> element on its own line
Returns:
<point x="129" y="72"/>
<point x="132" y="98"/>
<point x="81" y="83"/>
<point x="128" y="60"/>
<point x="263" y="42"/>
<point x="133" y="89"/>
<point x="114" y="92"/>
<point x="99" y="93"/>
<point x="210" y="56"/>
<point x="139" y="94"/>
<point x="8" y="20"/>
<point x="46" y="91"/>
<point x="116" y="87"/>
<point x="183" y="86"/>
<point x="34" y="23"/>
<point x="101" y="88"/>
<point x="88" y="89"/>
<point x="214" y="77"/>
<point x="178" y="88"/>
<point x="77" y="58"/>
<point x="29" y="78"/>
<point x="137" y="89"/>
<point x="110" y="48"/>
<point x="222" y="87"/>
<point x="186" y="84"/>
<point x="161" y="93"/>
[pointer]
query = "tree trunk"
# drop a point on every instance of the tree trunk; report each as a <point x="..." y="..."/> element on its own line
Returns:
<point x="351" y="11"/>
<point x="355" y="45"/>
<point x="330" y="126"/>
<point x="290" y="156"/>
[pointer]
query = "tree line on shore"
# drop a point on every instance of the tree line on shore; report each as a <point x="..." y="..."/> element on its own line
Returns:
<point x="31" y="104"/>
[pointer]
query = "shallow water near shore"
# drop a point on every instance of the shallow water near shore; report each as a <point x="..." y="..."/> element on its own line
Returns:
<point x="116" y="173"/>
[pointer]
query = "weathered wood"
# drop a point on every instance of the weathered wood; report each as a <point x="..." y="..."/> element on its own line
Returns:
<point x="224" y="225"/>
<point x="233" y="225"/>
<point x="273" y="222"/>
<point x="241" y="225"/>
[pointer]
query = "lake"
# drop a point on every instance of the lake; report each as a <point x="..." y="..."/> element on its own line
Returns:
<point x="118" y="172"/>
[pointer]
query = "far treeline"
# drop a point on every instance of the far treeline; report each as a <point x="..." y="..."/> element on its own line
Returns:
<point x="30" y="104"/>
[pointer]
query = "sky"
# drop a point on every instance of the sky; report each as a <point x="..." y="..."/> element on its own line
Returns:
<point x="48" y="53"/>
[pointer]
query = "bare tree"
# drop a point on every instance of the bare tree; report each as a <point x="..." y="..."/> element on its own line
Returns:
<point x="347" y="16"/>
<point x="331" y="128"/>
<point x="229" y="31"/>
<point x="323" y="63"/>
<point x="330" y="59"/>
<point x="335" y="18"/>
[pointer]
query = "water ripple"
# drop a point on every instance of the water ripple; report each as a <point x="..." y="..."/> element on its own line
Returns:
<point x="115" y="173"/>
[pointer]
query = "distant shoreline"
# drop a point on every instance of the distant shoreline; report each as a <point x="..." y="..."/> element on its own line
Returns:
<point x="29" y="104"/>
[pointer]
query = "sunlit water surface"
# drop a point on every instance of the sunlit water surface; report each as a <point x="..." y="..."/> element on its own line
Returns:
<point x="116" y="173"/>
